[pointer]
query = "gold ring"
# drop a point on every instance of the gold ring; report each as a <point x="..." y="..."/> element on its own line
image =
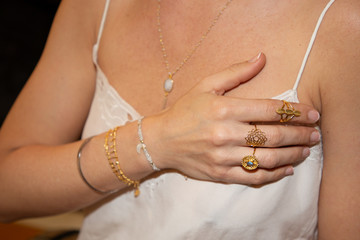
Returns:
<point x="250" y="162"/>
<point x="287" y="113"/>
<point x="256" y="138"/>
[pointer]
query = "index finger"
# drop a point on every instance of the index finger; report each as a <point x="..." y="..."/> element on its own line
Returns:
<point x="271" y="110"/>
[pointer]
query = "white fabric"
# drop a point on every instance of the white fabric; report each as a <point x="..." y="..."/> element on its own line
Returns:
<point x="169" y="207"/>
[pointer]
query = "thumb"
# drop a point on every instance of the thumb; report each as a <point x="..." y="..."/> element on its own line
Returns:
<point x="233" y="76"/>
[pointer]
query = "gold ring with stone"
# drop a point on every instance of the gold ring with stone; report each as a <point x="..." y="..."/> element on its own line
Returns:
<point x="256" y="138"/>
<point x="287" y="112"/>
<point x="250" y="162"/>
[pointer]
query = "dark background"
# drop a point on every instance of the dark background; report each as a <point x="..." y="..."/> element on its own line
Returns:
<point x="25" y="26"/>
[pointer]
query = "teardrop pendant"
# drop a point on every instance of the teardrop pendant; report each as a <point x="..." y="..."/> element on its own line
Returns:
<point x="168" y="85"/>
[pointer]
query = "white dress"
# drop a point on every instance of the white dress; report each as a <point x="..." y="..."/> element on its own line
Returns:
<point x="170" y="207"/>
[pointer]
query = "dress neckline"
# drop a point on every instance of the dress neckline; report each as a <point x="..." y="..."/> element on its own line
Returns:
<point x="290" y="94"/>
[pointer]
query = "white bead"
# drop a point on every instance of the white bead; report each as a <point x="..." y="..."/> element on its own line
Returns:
<point x="168" y="85"/>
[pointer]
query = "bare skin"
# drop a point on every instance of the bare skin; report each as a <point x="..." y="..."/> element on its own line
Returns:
<point x="39" y="136"/>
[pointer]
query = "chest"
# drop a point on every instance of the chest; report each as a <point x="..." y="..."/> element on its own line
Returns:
<point x="131" y="55"/>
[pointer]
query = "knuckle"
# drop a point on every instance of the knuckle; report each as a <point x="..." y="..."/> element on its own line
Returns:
<point x="215" y="157"/>
<point x="219" y="108"/>
<point x="243" y="109"/>
<point x="300" y="155"/>
<point x="219" y="136"/>
<point x="234" y="68"/>
<point x="271" y="159"/>
<point x="219" y="156"/>
<point x="278" y="175"/>
<point x="217" y="173"/>
<point x="208" y="78"/>
<point x="276" y="136"/>
<point x="202" y="84"/>
<point x="306" y="134"/>
<point x="259" y="178"/>
<point x="205" y="81"/>
<point x="270" y="109"/>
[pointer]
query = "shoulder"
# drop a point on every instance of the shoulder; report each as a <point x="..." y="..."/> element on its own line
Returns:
<point x="337" y="50"/>
<point x="84" y="6"/>
<point x="343" y="20"/>
<point x="80" y="15"/>
<point x="342" y="30"/>
<point x="333" y="67"/>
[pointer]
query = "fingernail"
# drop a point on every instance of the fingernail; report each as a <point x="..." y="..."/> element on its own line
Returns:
<point x="315" y="137"/>
<point x="254" y="59"/>
<point x="289" y="171"/>
<point x="313" y="116"/>
<point x="306" y="152"/>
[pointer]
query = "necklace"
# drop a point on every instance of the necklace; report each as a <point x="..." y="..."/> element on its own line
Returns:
<point x="169" y="82"/>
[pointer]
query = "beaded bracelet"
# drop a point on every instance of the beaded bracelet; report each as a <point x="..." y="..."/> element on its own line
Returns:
<point x="142" y="146"/>
<point x="81" y="172"/>
<point x="112" y="156"/>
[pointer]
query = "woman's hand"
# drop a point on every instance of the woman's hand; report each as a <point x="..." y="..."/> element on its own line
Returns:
<point x="203" y="133"/>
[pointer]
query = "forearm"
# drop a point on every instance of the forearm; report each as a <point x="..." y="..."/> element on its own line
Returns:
<point x="42" y="180"/>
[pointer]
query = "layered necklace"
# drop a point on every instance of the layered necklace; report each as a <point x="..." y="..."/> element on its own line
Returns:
<point x="169" y="82"/>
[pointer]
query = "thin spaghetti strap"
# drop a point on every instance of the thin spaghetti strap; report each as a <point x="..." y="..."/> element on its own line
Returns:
<point x="311" y="43"/>
<point x="103" y="21"/>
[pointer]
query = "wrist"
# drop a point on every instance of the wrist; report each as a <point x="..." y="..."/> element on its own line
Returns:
<point x="152" y="131"/>
<point x="141" y="147"/>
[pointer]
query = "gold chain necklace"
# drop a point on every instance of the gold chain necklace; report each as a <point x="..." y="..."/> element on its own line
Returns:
<point x="169" y="82"/>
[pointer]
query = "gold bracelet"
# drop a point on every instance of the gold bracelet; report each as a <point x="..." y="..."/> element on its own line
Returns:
<point x="113" y="159"/>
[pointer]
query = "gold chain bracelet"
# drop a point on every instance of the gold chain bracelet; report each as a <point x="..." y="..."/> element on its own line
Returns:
<point x="112" y="156"/>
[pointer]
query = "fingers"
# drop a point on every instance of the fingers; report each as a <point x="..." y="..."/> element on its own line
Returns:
<point x="232" y="77"/>
<point x="258" y="176"/>
<point x="274" y="164"/>
<point x="211" y="131"/>
<point x="278" y="136"/>
<point x="271" y="158"/>
<point x="273" y="135"/>
<point x="268" y="158"/>
<point x="264" y="110"/>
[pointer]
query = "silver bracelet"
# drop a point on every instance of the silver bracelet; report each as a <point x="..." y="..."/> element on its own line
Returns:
<point x="142" y="146"/>
<point x="81" y="172"/>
